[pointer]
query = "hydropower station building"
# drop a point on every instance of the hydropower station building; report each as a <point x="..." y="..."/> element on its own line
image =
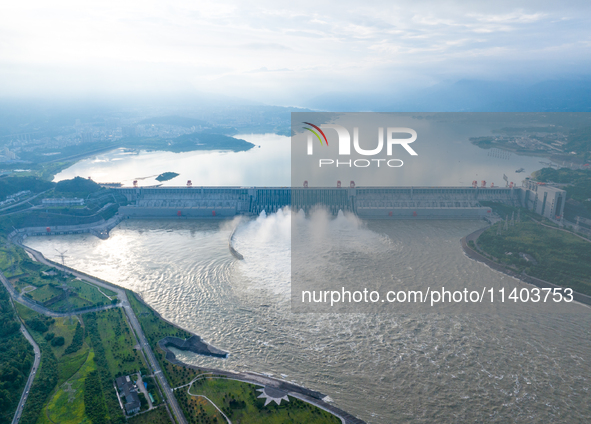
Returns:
<point x="366" y="202"/>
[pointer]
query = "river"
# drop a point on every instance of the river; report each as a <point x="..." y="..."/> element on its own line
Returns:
<point x="509" y="365"/>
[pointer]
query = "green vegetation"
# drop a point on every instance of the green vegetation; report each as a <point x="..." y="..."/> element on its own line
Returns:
<point x="156" y="329"/>
<point x="92" y="294"/>
<point x="67" y="405"/>
<point x="82" y="376"/>
<point x="240" y="402"/>
<point x="76" y="187"/>
<point x="100" y="204"/>
<point x="579" y="141"/>
<point x="561" y="257"/>
<point x="114" y="412"/>
<point x="166" y="176"/>
<point x="43" y="283"/>
<point x="94" y="405"/>
<point x="54" y="367"/>
<point x="184" y="143"/>
<point x="152" y="389"/>
<point x="77" y="340"/>
<point x="206" y="141"/>
<point x="45" y="293"/>
<point x="567" y="139"/>
<point x="198" y="410"/>
<point x="57" y="341"/>
<point x="155" y="416"/>
<point x="16" y="359"/>
<point x="116" y="337"/>
<point x="11" y="185"/>
<point x="45" y="380"/>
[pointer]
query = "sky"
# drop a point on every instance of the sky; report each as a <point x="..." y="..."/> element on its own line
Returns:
<point x="284" y="52"/>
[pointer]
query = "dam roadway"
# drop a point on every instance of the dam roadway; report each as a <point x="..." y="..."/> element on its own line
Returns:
<point x="365" y="202"/>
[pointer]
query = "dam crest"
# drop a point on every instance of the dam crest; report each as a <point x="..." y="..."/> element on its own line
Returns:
<point x="365" y="202"/>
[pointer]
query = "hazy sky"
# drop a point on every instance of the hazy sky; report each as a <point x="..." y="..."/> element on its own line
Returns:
<point x="284" y="52"/>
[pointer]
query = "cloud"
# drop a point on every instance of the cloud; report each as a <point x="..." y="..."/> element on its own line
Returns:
<point x="265" y="46"/>
<point x="275" y="51"/>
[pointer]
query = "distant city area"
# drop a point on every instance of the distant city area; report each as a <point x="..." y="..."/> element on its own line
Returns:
<point x="52" y="140"/>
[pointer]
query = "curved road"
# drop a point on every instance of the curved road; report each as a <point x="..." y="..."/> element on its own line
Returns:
<point x="21" y="404"/>
<point x="249" y="377"/>
<point x="148" y="353"/>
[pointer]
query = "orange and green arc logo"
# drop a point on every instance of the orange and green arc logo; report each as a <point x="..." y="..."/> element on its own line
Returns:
<point x="315" y="133"/>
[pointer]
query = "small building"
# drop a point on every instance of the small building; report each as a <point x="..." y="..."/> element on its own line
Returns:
<point x="128" y="391"/>
<point x="63" y="201"/>
<point x="19" y="194"/>
<point x="121" y="381"/>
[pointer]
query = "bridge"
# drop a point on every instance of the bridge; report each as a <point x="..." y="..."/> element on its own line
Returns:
<point x="366" y="202"/>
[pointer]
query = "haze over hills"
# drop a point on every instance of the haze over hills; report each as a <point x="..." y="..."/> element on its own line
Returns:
<point x="205" y="109"/>
<point x="468" y="95"/>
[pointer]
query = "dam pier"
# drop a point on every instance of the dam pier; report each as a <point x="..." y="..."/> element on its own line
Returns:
<point x="365" y="202"/>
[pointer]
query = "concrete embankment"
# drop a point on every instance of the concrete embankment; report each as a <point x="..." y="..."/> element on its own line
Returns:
<point x="233" y="251"/>
<point x="193" y="344"/>
<point x="473" y="254"/>
<point x="99" y="228"/>
<point x="302" y="393"/>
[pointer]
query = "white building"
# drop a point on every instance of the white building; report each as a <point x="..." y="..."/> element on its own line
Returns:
<point x="544" y="199"/>
<point x="63" y="201"/>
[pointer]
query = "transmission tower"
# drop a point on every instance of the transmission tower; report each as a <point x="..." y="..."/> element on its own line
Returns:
<point x="65" y="287"/>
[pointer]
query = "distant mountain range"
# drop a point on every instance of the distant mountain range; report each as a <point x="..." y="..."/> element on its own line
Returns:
<point x="469" y="96"/>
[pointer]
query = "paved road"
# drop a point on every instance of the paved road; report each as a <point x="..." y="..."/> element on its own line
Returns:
<point x="21" y="202"/>
<point x="21" y="404"/>
<point x="148" y="353"/>
<point x="167" y="391"/>
<point x="301" y="393"/>
<point x="142" y="388"/>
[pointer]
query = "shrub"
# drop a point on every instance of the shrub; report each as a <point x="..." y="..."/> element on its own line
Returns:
<point x="57" y="341"/>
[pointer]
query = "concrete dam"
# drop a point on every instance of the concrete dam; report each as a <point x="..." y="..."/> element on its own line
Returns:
<point x="366" y="202"/>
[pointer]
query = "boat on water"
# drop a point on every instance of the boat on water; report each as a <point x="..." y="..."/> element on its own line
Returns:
<point x="520" y="170"/>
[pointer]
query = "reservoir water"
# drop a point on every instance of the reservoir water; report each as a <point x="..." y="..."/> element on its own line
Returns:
<point x="446" y="160"/>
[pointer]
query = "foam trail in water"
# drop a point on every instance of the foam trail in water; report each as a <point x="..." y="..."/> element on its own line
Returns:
<point x="266" y="245"/>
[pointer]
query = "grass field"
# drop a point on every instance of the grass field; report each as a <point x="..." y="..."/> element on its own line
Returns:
<point x="67" y="404"/>
<point x="198" y="410"/>
<point x="562" y="258"/>
<point x="23" y="272"/>
<point x="60" y="327"/>
<point x="119" y="343"/>
<point x="155" y="416"/>
<point x="90" y="293"/>
<point x="240" y="402"/>
<point x="45" y="293"/>
<point x="73" y="302"/>
<point x="65" y="398"/>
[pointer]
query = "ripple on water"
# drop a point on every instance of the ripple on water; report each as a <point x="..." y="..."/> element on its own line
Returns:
<point x="518" y="366"/>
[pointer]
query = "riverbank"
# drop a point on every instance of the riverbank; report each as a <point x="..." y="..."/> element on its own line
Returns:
<point x="479" y="257"/>
<point x="312" y="397"/>
<point x="126" y="296"/>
